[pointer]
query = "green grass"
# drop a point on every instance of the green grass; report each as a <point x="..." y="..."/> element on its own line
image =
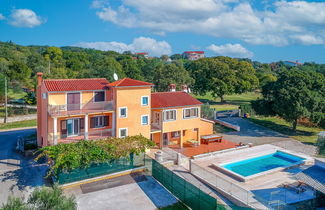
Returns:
<point x="304" y="134"/>
<point x="232" y="101"/>
<point x="176" y="206"/>
<point x="21" y="124"/>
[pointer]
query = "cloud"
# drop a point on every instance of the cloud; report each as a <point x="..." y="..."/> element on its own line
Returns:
<point x="140" y="44"/>
<point x="231" y="50"/>
<point x="280" y="23"/>
<point x="25" y="18"/>
<point x="2" y="17"/>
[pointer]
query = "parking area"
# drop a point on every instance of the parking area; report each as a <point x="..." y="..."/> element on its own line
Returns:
<point x="136" y="191"/>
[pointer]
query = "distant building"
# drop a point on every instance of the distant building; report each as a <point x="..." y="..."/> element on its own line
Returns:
<point x="292" y="63"/>
<point x="145" y="54"/>
<point x="193" y="55"/>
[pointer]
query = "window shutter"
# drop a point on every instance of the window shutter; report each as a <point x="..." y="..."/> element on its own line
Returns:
<point x="106" y="120"/>
<point x="92" y="122"/>
<point x="63" y="128"/>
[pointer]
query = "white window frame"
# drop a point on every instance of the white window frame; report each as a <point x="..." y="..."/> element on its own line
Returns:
<point x="126" y="112"/>
<point x="191" y="117"/>
<point x="102" y="116"/>
<point x="142" y="101"/>
<point x="168" y="110"/>
<point x="146" y="115"/>
<point x="126" y="132"/>
<point x="95" y="94"/>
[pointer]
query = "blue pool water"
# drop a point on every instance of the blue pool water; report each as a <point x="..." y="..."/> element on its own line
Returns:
<point x="263" y="163"/>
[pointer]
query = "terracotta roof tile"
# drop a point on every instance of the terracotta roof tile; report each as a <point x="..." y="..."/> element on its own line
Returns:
<point x="127" y="82"/>
<point x="76" y="84"/>
<point x="172" y="99"/>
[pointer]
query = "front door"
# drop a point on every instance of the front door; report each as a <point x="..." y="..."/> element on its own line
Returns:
<point x="73" y="101"/>
<point x="73" y="127"/>
<point x="165" y="140"/>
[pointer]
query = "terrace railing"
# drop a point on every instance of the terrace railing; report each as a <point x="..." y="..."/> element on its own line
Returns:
<point x="90" y="107"/>
<point x="244" y="196"/>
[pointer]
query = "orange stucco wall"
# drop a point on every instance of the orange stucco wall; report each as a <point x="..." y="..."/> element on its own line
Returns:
<point x="131" y="98"/>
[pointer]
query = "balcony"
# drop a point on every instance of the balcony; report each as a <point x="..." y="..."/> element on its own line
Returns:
<point x="76" y="109"/>
<point x="155" y="127"/>
<point x="92" y="135"/>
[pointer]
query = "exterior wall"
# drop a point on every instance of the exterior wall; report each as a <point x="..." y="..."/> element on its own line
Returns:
<point x="131" y="98"/>
<point x="180" y="123"/>
<point x="57" y="98"/>
<point x="41" y="116"/>
<point x="87" y="96"/>
<point x="206" y="127"/>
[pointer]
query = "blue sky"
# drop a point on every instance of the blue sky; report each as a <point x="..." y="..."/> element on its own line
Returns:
<point x="262" y="30"/>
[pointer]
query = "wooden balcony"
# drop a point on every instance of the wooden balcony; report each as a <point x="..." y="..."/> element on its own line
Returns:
<point x="77" y="109"/>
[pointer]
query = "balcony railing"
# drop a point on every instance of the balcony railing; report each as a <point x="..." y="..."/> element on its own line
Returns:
<point x="68" y="109"/>
<point x="92" y="135"/>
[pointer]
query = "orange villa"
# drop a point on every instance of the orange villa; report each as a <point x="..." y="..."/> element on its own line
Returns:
<point x="70" y="110"/>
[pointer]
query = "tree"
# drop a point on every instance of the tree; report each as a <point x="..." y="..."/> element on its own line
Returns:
<point x="171" y="74"/>
<point x="43" y="199"/>
<point x="176" y="57"/>
<point x="212" y="75"/>
<point x="106" y="67"/>
<point x="131" y="68"/>
<point x="297" y="94"/>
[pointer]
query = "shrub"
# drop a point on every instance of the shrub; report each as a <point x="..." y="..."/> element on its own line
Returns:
<point x="321" y="144"/>
<point x="263" y="107"/>
<point x="44" y="198"/>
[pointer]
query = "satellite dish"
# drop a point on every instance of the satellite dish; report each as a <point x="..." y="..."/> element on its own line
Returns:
<point x="115" y="76"/>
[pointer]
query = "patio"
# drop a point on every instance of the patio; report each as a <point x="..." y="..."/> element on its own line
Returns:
<point x="190" y="150"/>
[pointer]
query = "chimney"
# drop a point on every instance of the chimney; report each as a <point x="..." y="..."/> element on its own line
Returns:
<point x="172" y="88"/>
<point x="39" y="78"/>
<point x="184" y="88"/>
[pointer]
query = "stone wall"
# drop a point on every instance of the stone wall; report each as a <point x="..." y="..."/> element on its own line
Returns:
<point x="20" y="118"/>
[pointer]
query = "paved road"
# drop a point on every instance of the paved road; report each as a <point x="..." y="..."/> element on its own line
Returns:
<point x="18" y="175"/>
<point x="256" y="134"/>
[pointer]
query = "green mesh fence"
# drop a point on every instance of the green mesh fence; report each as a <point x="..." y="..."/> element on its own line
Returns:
<point x="101" y="169"/>
<point x="191" y="195"/>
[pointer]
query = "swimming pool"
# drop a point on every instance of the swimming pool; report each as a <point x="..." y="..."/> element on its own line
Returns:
<point x="252" y="166"/>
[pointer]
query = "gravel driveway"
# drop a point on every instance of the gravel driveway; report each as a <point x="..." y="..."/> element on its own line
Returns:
<point x="256" y="134"/>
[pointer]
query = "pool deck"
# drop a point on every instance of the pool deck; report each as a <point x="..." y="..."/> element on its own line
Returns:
<point x="268" y="185"/>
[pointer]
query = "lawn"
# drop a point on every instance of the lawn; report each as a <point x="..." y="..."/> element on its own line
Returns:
<point x="232" y="101"/>
<point x="304" y="134"/>
<point x="21" y="124"/>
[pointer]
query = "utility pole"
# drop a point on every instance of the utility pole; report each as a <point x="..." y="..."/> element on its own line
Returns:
<point x="6" y="101"/>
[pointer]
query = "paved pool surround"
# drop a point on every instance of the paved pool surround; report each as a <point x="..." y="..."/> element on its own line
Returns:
<point x="300" y="160"/>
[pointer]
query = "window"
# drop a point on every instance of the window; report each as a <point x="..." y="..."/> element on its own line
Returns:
<point x="99" y="121"/>
<point x="123" y="132"/>
<point x="44" y="95"/>
<point x="169" y="115"/>
<point x="144" y="101"/>
<point x="99" y="96"/>
<point x="175" y="134"/>
<point x="123" y="112"/>
<point x="190" y="113"/>
<point x="144" y="119"/>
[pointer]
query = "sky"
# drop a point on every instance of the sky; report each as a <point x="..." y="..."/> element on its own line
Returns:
<point x="262" y="30"/>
